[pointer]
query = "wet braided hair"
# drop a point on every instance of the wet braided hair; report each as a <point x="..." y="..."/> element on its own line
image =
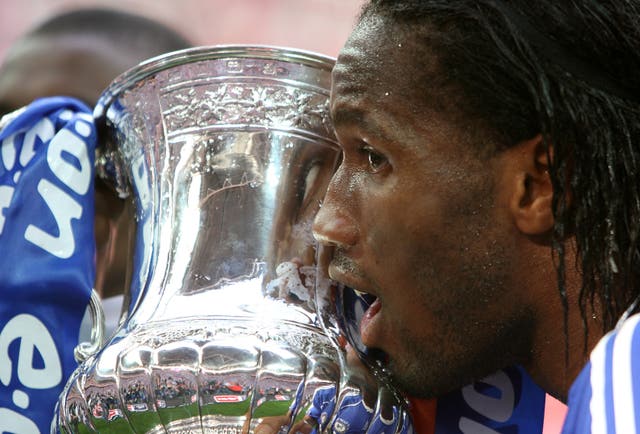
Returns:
<point x="567" y="70"/>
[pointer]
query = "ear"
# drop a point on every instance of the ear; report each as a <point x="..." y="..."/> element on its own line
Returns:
<point x="532" y="195"/>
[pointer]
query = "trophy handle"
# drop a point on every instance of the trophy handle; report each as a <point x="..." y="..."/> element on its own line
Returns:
<point x="84" y="350"/>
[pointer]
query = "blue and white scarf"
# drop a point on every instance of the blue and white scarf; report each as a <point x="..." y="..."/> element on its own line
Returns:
<point x="47" y="253"/>
<point x="506" y="402"/>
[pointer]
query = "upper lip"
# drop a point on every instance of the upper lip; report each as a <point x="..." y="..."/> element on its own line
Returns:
<point x="344" y="270"/>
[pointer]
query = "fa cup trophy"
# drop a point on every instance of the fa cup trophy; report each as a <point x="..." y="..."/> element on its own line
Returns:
<point x="226" y="152"/>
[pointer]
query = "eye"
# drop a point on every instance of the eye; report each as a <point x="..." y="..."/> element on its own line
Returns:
<point x="376" y="160"/>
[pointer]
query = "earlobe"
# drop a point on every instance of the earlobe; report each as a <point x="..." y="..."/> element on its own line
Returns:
<point x="532" y="199"/>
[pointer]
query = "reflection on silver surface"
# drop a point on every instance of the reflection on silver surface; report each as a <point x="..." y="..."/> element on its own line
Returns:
<point x="84" y="350"/>
<point x="227" y="152"/>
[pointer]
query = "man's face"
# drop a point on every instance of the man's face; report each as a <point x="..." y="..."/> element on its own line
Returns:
<point x="419" y="221"/>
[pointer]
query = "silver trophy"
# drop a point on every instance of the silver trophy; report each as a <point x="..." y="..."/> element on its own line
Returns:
<point x="227" y="152"/>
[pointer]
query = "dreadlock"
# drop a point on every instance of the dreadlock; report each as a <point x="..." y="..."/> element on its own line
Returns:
<point x="566" y="70"/>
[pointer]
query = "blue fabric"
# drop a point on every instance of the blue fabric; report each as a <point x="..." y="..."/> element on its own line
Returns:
<point x="507" y="402"/>
<point x="578" y="419"/>
<point x="322" y="406"/>
<point x="605" y="397"/>
<point x="47" y="263"/>
<point x="352" y="416"/>
<point x="382" y="425"/>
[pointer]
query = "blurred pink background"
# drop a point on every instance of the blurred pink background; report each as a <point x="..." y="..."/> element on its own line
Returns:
<point x="316" y="25"/>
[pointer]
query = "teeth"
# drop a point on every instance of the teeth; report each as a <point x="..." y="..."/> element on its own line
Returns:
<point x="360" y="293"/>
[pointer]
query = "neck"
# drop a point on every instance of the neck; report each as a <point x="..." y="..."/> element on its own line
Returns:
<point x="559" y="353"/>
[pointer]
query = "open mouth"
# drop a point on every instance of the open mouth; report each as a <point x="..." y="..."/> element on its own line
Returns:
<point x="367" y="321"/>
<point x="357" y="312"/>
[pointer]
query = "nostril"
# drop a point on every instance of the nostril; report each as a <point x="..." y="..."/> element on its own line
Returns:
<point x="322" y="239"/>
<point x="334" y="229"/>
<point x="319" y="232"/>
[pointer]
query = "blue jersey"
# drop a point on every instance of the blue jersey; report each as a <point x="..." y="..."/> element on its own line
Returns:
<point x="353" y="415"/>
<point x="324" y="402"/>
<point x="382" y="425"/>
<point x="603" y="398"/>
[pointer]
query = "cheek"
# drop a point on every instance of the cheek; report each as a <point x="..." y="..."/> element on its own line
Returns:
<point x="439" y="254"/>
<point x="404" y="231"/>
<point x="403" y="244"/>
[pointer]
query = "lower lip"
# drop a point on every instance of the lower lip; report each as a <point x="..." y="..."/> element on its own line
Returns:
<point x="369" y="324"/>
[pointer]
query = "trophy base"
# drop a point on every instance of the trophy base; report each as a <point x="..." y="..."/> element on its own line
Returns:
<point x="216" y="375"/>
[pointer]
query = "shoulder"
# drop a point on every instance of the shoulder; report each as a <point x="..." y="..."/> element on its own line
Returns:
<point x="606" y="394"/>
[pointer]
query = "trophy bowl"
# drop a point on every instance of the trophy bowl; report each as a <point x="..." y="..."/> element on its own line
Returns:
<point x="226" y="153"/>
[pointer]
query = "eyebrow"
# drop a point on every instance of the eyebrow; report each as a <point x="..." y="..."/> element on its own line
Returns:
<point x="345" y="117"/>
<point x="348" y="116"/>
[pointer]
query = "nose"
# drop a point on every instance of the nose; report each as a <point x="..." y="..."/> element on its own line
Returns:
<point x="334" y="224"/>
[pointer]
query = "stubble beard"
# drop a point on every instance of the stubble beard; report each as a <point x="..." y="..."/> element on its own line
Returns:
<point x="472" y="344"/>
<point x="424" y="372"/>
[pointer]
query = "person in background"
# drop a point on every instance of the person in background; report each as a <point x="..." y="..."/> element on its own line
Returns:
<point x="489" y="199"/>
<point x="47" y="200"/>
<point x="77" y="53"/>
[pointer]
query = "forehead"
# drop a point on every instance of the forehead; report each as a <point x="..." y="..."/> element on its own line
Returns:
<point x="377" y="51"/>
<point x="389" y="75"/>
<point x="379" y="86"/>
<point x="383" y="60"/>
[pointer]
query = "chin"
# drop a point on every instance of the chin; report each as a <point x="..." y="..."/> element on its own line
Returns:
<point x="422" y="380"/>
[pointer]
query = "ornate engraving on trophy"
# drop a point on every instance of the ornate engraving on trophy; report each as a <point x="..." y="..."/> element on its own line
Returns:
<point x="217" y="104"/>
